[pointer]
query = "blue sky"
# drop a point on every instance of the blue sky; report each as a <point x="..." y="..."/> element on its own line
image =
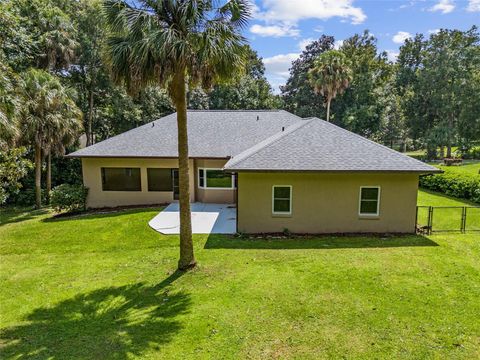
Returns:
<point x="280" y="29"/>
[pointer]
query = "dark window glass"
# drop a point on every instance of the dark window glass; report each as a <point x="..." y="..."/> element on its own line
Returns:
<point x="218" y="179"/>
<point x="281" y="199"/>
<point x="160" y="180"/>
<point x="201" y="178"/>
<point x="369" y="201"/>
<point x="121" y="179"/>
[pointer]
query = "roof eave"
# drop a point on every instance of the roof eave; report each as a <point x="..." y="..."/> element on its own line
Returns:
<point x="419" y="172"/>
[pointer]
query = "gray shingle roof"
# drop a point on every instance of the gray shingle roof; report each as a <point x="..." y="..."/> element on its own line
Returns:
<point x="316" y="145"/>
<point x="212" y="134"/>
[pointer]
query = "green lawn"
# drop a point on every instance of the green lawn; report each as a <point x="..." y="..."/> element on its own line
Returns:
<point x="104" y="286"/>
<point x="469" y="167"/>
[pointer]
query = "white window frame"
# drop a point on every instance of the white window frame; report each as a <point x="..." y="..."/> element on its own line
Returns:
<point x="205" y="180"/>
<point x="290" y="200"/>
<point x="360" y="201"/>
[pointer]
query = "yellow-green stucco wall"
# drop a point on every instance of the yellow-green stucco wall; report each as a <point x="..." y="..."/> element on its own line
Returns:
<point x="327" y="202"/>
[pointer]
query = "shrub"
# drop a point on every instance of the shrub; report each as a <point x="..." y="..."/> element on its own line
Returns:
<point x="458" y="185"/>
<point x="69" y="197"/>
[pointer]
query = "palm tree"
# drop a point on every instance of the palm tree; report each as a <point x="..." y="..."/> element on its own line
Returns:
<point x="172" y="43"/>
<point x="66" y="134"/>
<point x="45" y="105"/>
<point x="8" y="107"/>
<point x="330" y="75"/>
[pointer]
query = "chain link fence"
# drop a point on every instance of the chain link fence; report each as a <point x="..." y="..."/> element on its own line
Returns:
<point x="447" y="219"/>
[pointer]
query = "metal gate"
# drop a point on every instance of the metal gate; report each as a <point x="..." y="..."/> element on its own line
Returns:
<point x="447" y="218"/>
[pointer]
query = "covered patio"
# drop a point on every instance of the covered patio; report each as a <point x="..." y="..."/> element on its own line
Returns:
<point x="206" y="219"/>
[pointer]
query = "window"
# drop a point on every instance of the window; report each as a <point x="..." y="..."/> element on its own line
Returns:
<point x="121" y="179"/>
<point x="369" y="200"/>
<point x="201" y="178"/>
<point x="282" y="199"/>
<point x="159" y="179"/>
<point x="215" y="179"/>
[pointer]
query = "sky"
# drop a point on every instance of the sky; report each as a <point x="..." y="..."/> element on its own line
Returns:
<point x="280" y="29"/>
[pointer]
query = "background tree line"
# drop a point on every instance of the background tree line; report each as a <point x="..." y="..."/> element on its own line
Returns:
<point x="52" y="62"/>
<point x="52" y="52"/>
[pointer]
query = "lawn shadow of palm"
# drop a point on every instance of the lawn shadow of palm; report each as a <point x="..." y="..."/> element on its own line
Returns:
<point x="112" y="323"/>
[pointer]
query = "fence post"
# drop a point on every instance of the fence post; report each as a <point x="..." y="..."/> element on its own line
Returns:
<point x="464" y="220"/>
<point x="430" y="220"/>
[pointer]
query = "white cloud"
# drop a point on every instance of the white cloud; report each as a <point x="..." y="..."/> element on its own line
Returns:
<point x="319" y="29"/>
<point x="433" y="31"/>
<point x="337" y="44"/>
<point x="302" y="44"/>
<point x="401" y="36"/>
<point x="473" y="6"/>
<point x="274" y="30"/>
<point x="392" y="55"/>
<point x="276" y="68"/>
<point x="292" y="11"/>
<point x="444" y="6"/>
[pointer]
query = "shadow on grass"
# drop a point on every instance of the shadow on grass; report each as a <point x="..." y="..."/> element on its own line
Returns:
<point x="100" y="214"/>
<point x="108" y="323"/>
<point x="16" y="215"/>
<point x="328" y="242"/>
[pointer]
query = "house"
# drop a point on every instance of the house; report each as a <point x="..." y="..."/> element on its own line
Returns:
<point x="281" y="171"/>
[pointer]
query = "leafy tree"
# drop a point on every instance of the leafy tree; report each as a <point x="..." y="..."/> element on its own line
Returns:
<point x="171" y="43"/>
<point x="90" y="74"/>
<point x="13" y="167"/>
<point x="46" y="105"/>
<point x="359" y="108"/>
<point x="330" y="75"/>
<point x="298" y="94"/>
<point x="441" y="114"/>
<point x="250" y="91"/>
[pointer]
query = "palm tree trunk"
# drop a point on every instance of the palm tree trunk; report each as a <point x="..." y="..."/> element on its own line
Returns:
<point x="187" y="259"/>
<point x="49" y="176"/>
<point x="90" y="118"/>
<point x="38" y="175"/>
<point x="328" y="109"/>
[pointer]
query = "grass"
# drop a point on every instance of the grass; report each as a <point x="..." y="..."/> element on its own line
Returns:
<point x="105" y="286"/>
<point x="447" y="219"/>
<point x="469" y="167"/>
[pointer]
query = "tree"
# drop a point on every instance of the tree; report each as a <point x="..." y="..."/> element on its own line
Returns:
<point x="250" y="91"/>
<point x="170" y="43"/>
<point x="444" y="114"/>
<point x="46" y="104"/>
<point x="298" y="94"/>
<point x="65" y="134"/>
<point x="13" y="167"/>
<point x="360" y="107"/>
<point x="330" y="75"/>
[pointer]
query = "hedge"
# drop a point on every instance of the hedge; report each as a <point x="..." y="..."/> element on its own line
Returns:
<point x="458" y="185"/>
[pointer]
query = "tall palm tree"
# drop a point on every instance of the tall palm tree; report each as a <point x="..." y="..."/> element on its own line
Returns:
<point x="42" y="114"/>
<point x="172" y="43"/>
<point x="63" y="135"/>
<point x="330" y="75"/>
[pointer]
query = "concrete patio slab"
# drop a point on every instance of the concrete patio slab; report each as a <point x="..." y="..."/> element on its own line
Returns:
<point x="206" y="219"/>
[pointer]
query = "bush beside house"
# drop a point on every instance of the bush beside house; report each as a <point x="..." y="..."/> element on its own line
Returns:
<point x="68" y="197"/>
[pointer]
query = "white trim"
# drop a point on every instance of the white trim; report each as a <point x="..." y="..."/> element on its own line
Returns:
<point x="205" y="187"/>
<point x="290" y="201"/>
<point x="360" y="201"/>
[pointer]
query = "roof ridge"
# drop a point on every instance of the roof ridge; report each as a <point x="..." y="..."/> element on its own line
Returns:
<point x="235" y="160"/>
<point x="234" y="110"/>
